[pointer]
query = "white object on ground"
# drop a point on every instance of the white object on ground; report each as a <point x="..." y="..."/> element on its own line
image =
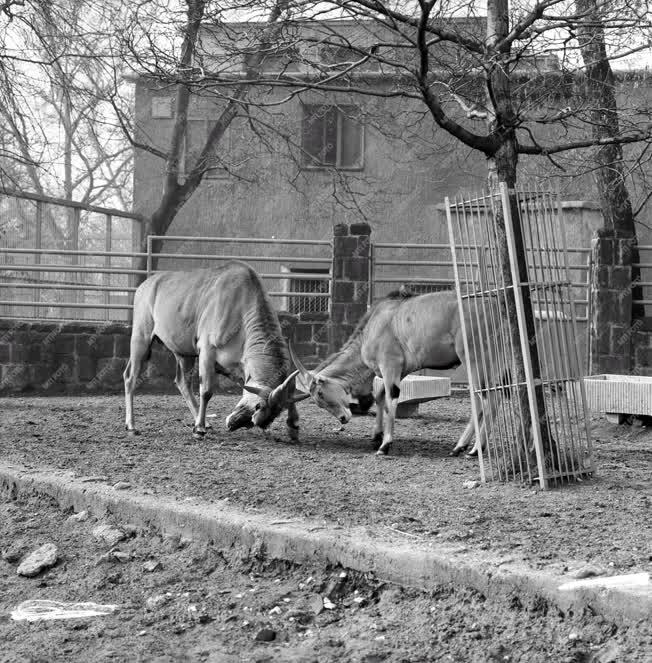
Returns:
<point x="39" y="610"/>
<point x="628" y="581"/>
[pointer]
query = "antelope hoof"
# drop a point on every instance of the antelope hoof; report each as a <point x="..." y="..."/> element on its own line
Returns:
<point x="377" y="440"/>
<point x="383" y="450"/>
<point x="198" y="434"/>
<point x="456" y="452"/>
<point x="293" y="434"/>
<point x="132" y="432"/>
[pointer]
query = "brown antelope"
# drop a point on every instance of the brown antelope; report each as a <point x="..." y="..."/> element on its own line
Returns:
<point x="399" y="335"/>
<point x="224" y="317"/>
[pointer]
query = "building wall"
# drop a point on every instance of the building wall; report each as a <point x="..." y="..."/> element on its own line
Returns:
<point x="409" y="168"/>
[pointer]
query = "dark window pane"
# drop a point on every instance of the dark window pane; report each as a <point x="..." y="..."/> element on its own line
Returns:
<point x="331" y="136"/>
<point x="329" y="147"/>
<point x="319" y="135"/>
<point x="350" y="143"/>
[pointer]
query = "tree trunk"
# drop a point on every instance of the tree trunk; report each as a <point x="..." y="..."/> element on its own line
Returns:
<point x="600" y="90"/>
<point x="503" y="168"/>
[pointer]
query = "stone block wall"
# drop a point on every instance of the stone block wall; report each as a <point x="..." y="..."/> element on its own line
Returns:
<point x="53" y="358"/>
<point x="621" y="343"/>
<point x="350" y="280"/>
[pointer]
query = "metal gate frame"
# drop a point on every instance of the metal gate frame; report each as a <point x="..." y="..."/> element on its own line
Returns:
<point x="486" y="291"/>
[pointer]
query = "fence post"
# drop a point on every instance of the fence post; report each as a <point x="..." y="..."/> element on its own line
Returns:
<point x="149" y="255"/>
<point x="611" y="305"/>
<point x="350" y="280"/>
<point x="108" y="245"/>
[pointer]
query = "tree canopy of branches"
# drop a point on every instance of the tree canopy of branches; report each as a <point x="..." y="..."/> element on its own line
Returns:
<point x="60" y="136"/>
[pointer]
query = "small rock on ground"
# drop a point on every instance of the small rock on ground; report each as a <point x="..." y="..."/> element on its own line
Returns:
<point x="587" y="571"/>
<point x="42" y="558"/>
<point x="109" y="534"/>
<point x="265" y="635"/>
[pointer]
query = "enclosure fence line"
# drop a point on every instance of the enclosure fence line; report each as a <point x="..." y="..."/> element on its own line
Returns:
<point x="527" y="391"/>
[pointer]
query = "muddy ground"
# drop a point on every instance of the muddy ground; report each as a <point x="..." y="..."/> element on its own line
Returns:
<point x="416" y="493"/>
<point x="180" y="600"/>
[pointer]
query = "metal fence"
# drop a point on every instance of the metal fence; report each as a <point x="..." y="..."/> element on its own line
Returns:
<point x="296" y="272"/>
<point x="64" y="260"/>
<point x="528" y="407"/>
<point x="67" y="261"/>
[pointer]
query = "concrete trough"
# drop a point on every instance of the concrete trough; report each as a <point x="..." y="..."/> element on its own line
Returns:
<point x="619" y="395"/>
<point x="417" y="389"/>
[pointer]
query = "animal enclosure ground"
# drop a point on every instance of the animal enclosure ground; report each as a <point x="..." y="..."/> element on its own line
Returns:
<point x="417" y="493"/>
<point x="181" y="600"/>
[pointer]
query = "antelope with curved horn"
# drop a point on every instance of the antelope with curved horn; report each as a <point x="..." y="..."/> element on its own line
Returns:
<point x="401" y="334"/>
<point x="223" y="316"/>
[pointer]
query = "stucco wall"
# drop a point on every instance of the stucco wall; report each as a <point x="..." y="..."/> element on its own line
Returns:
<point x="410" y="166"/>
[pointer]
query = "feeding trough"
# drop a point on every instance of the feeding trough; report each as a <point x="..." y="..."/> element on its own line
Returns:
<point x="416" y="389"/>
<point x="619" y="395"/>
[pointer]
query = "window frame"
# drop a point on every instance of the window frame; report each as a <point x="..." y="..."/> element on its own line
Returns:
<point x="309" y="161"/>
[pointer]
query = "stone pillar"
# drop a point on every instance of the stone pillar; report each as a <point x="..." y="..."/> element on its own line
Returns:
<point x="611" y="305"/>
<point x="350" y="280"/>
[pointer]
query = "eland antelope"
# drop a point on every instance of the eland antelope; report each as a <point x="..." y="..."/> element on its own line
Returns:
<point x="224" y="317"/>
<point x="401" y="334"/>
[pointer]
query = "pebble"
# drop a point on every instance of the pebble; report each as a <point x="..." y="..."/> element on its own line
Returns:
<point x="79" y="517"/>
<point x="328" y="604"/>
<point x="13" y="553"/>
<point x="97" y="477"/>
<point x="121" y="485"/>
<point x="265" y="635"/>
<point x="316" y="604"/>
<point x="587" y="571"/>
<point x="42" y="558"/>
<point x="157" y="601"/>
<point x="109" y="534"/>
<point x="151" y="565"/>
<point x="471" y="484"/>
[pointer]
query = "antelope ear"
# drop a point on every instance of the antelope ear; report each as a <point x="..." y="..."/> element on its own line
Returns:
<point x="252" y="389"/>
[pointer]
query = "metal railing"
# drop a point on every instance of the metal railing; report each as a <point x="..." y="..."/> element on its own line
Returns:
<point x="66" y="260"/>
<point x="429" y="267"/>
<point x="296" y="272"/>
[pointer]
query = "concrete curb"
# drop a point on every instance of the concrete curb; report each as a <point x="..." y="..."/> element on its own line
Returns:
<point x="303" y="542"/>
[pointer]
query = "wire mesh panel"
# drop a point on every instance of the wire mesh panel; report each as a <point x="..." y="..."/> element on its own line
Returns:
<point x="525" y="371"/>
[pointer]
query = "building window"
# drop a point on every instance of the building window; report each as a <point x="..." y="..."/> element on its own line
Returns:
<point x="332" y="137"/>
<point x="296" y="303"/>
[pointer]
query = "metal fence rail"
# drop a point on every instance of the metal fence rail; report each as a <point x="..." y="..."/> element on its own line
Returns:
<point x="65" y="260"/>
<point x="296" y="272"/>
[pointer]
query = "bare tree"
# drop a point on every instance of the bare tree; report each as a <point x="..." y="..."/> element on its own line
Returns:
<point x="63" y="141"/>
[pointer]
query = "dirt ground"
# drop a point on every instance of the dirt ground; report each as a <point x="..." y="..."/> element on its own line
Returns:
<point x="193" y="604"/>
<point x="417" y="492"/>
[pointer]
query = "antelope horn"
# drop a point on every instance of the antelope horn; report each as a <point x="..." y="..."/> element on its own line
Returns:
<point x="305" y="375"/>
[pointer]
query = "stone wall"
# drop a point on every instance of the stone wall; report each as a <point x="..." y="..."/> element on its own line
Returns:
<point x="78" y="357"/>
<point x="51" y="358"/>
